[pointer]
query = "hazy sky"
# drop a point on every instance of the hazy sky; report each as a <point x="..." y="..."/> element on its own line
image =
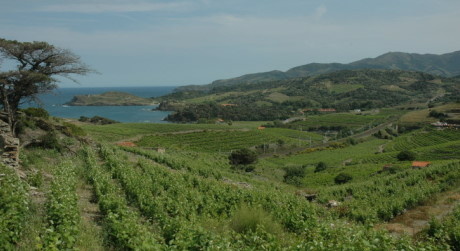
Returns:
<point x="157" y="43"/>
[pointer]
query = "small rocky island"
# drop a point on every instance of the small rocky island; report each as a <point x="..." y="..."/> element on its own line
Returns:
<point x="110" y="99"/>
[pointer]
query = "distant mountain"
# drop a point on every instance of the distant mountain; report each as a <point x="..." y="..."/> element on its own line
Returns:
<point x="445" y="65"/>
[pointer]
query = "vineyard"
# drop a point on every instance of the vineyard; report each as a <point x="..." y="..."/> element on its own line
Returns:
<point x="98" y="195"/>
<point x="347" y="120"/>
<point x="226" y="141"/>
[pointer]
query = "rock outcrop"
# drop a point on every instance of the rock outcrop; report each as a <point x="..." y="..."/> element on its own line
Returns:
<point x="9" y="146"/>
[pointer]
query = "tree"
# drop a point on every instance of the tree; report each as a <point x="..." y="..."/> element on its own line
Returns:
<point x="406" y="155"/>
<point x="34" y="67"/>
<point x="294" y="174"/>
<point x="242" y="156"/>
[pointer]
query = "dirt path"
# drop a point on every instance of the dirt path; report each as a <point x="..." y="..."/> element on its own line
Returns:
<point x="418" y="218"/>
<point x="381" y="148"/>
<point x="91" y="233"/>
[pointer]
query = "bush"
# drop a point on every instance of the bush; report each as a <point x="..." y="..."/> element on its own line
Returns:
<point x="97" y="120"/>
<point x="242" y="157"/>
<point x="406" y="155"/>
<point x="436" y="114"/>
<point x="342" y="178"/>
<point x="294" y="175"/>
<point x="36" y="112"/>
<point x="71" y="130"/>
<point x="248" y="219"/>
<point x="51" y="141"/>
<point x="321" y="166"/>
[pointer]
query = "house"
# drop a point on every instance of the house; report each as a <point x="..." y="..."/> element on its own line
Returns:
<point x="126" y="143"/>
<point x="327" y="110"/>
<point x="229" y="105"/>
<point x="420" y="164"/>
<point x="261" y="128"/>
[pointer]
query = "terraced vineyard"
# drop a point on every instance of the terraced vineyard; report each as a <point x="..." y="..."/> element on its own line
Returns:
<point x="421" y="138"/>
<point x="115" y="132"/>
<point x="347" y="120"/>
<point x="95" y="194"/>
<point x="224" y="141"/>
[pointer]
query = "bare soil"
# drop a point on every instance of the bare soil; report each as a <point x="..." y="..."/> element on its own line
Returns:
<point x="416" y="219"/>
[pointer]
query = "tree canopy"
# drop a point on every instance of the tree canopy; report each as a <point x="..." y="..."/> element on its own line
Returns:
<point x="32" y="70"/>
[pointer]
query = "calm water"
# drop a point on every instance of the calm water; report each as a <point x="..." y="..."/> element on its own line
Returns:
<point x="53" y="103"/>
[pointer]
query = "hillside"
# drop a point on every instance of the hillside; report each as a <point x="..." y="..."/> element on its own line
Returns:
<point x="172" y="187"/>
<point x="445" y="65"/>
<point x="343" y="90"/>
<point x="109" y="99"/>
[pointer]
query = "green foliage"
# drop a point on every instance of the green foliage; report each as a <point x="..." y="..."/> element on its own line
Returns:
<point x="321" y="166"/>
<point x="36" y="112"/>
<point x="62" y="210"/>
<point x="247" y="219"/>
<point x="342" y="178"/>
<point x="50" y="141"/>
<point x="380" y="198"/>
<point x="72" y="130"/>
<point x="122" y="224"/>
<point x="445" y="232"/>
<point x="35" y="179"/>
<point x="406" y="155"/>
<point x="241" y="112"/>
<point x="242" y="156"/>
<point x="294" y="174"/>
<point x="14" y="207"/>
<point x="98" y="120"/>
<point x="438" y="115"/>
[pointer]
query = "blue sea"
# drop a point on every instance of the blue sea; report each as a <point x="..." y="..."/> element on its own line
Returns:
<point x="54" y="104"/>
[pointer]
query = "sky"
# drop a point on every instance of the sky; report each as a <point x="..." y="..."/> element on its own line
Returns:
<point x="173" y="43"/>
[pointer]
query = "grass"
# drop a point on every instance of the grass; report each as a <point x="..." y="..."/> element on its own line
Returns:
<point x="342" y="88"/>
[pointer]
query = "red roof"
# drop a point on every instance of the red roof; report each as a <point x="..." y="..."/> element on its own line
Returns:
<point x="126" y="143"/>
<point x="421" y="163"/>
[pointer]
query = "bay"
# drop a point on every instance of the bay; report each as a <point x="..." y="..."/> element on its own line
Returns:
<point x="54" y="104"/>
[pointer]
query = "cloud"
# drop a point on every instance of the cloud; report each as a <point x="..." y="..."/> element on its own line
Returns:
<point x="118" y="7"/>
<point x="319" y="12"/>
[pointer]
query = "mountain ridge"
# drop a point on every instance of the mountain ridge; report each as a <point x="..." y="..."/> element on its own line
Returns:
<point x="445" y="65"/>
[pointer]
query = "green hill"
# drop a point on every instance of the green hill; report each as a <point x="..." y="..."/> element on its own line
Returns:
<point x="109" y="99"/>
<point x="446" y="65"/>
<point x="343" y="90"/>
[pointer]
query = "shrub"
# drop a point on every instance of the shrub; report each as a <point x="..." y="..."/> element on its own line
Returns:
<point x="242" y="157"/>
<point x="36" y="112"/>
<point x="321" y="166"/>
<point x="342" y="178"/>
<point x="97" y="120"/>
<point x="294" y="175"/>
<point x="71" y="130"/>
<point x="51" y="141"/>
<point x="406" y="155"/>
<point x="436" y="114"/>
<point x="248" y="219"/>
